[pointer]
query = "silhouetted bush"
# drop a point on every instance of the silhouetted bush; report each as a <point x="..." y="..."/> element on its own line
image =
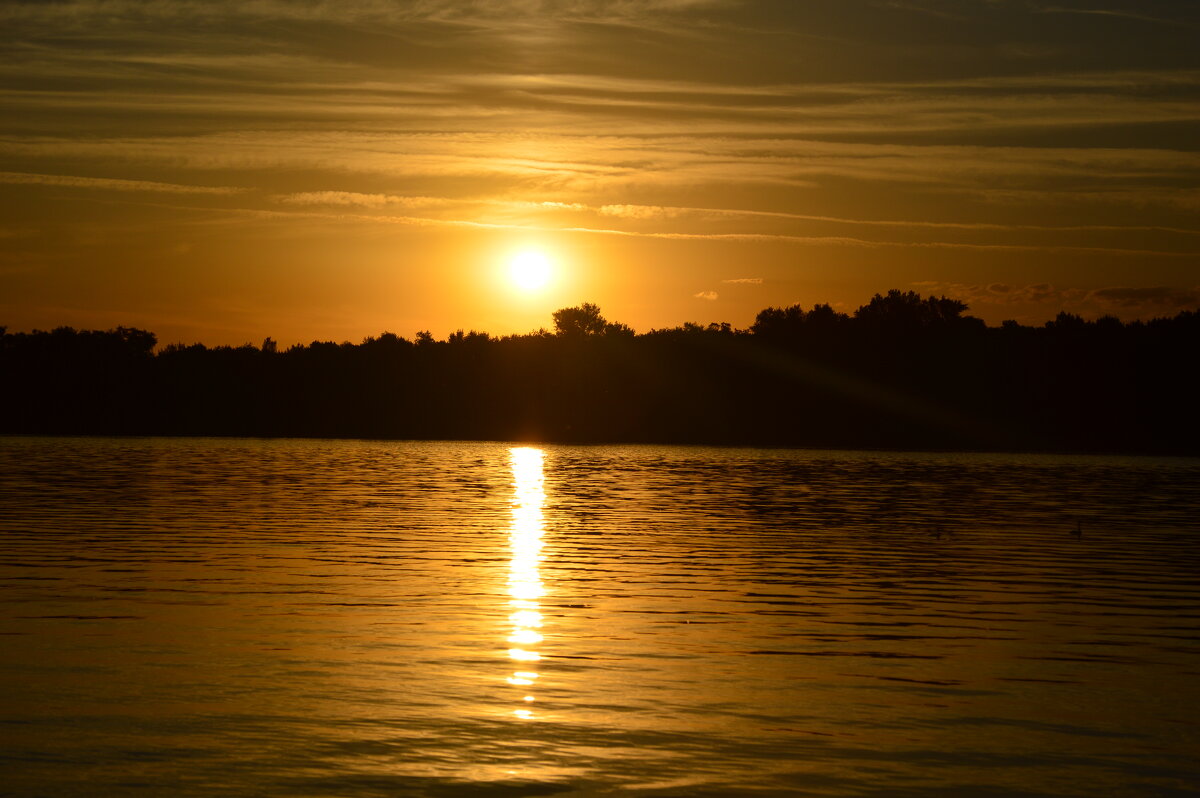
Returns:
<point x="903" y="371"/>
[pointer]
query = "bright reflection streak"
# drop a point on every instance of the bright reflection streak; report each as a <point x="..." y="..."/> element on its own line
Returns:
<point x="526" y="618"/>
<point x="522" y="678"/>
<point x="524" y="582"/>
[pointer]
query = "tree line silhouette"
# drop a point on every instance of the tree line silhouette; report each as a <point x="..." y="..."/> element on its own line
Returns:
<point x="903" y="371"/>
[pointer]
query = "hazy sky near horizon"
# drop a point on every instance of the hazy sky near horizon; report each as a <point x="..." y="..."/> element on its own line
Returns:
<point x="223" y="171"/>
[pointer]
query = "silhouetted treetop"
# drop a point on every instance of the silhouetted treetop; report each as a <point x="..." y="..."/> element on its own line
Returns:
<point x="578" y="321"/>
<point x="782" y="322"/>
<point x="472" y="337"/>
<point x="585" y="320"/>
<point x="908" y="309"/>
<point x="1066" y="322"/>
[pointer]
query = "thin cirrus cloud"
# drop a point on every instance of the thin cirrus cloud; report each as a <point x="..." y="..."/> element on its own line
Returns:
<point x="1140" y="300"/>
<point x="1171" y="298"/>
<point x="111" y="184"/>
<point x="377" y="201"/>
<point x="1108" y="12"/>
<point x="655" y="212"/>
<point x="370" y="202"/>
<point x="602" y="163"/>
<point x="708" y="296"/>
<point x="357" y="199"/>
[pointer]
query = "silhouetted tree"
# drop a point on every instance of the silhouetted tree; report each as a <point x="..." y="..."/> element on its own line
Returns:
<point x="909" y="310"/>
<point x="1066" y="322"/>
<point x="579" y="321"/>
<point x="791" y="322"/>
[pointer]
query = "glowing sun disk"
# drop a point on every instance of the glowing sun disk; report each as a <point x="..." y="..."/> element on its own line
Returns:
<point x="529" y="270"/>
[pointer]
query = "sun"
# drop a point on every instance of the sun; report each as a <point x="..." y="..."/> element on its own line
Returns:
<point x="529" y="270"/>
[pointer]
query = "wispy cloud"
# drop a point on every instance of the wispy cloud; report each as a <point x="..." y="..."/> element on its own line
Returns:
<point x="706" y="295"/>
<point x="1140" y="301"/>
<point x="1116" y="13"/>
<point x="111" y="184"/>
<point x="676" y="235"/>
<point x="1160" y="296"/>
<point x="848" y="241"/>
<point x="927" y="9"/>
<point x="1005" y="293"/>
<point x="357" y="199"/>
<point x="360" y="10"/>
<point x="745" y="281"/>
<point x="641" y="211"/>
<point x="655" y="212"/>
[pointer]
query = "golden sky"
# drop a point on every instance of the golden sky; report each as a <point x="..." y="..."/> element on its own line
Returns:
<point x="225" y="171"/>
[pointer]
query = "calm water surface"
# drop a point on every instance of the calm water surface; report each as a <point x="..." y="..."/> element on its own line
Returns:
<point x="217" y="617"/>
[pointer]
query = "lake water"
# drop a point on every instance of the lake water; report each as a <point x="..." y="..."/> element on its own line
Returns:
<point x="220" y="617"/>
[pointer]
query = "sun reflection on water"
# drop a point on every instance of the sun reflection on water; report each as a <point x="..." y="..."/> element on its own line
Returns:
<point x="524" y="582"/>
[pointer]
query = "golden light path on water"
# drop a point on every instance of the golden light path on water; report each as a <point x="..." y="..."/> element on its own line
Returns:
<point x="524" y="582"/>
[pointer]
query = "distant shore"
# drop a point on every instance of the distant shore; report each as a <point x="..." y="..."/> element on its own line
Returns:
<point x="902" y="373"/>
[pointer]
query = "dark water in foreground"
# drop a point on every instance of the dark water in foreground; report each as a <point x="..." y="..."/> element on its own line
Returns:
<point x="348" y="618"/>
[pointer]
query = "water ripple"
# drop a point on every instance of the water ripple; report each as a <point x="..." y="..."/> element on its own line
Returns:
<point x="232" y="617"/>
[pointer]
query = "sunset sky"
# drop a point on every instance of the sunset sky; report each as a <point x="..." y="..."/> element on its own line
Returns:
<point x="225" y="171"/>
